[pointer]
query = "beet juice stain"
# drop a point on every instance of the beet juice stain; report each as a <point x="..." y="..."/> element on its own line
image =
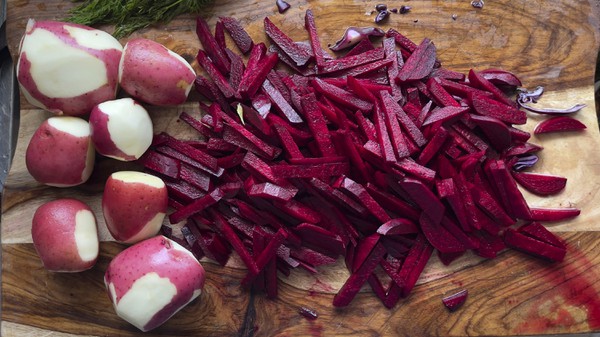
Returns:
<point x="574" y="293"/>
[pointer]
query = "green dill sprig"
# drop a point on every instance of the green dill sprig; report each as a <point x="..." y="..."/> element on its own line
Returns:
<point x="129" y="16"/>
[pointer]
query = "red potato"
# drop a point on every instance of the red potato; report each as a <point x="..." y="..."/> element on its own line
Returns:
<point x="134" y="205"/>
<point x="154" y="74"/>
<point x="60" y="152"/>
<point x="67" y="68"/>
<point x="121" y="129"/>
<point x="152" y="280"/>
<point x="65" y="235"/>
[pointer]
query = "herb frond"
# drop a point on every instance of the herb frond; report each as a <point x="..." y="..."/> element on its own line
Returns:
<point x="129" y="16"/>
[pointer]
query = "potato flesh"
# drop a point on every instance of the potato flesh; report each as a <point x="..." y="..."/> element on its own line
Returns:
<point x="86" y="235"/>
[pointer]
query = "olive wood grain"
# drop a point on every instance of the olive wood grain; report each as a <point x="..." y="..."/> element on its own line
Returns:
<point x="550" y="43"/>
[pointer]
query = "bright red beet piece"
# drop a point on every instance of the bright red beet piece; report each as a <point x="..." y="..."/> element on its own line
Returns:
<point x="282" y="105"/>
<point x="297" y="54"/>
<point x="440" y="95"/>
<point x="413" y="265"/>
<point x="363" y="249"/>
<point x="507" y="189"/>
<point x="397" y="226"/>
<point x="537" y="231"/>
<point x="540" y="184"/>
<point x="443" y="114"/>
<point x="160" y="163"/>
<point x="197" y="206"/>
<point x="347" y="62"/>
<point x="533" y="246"/>
<point x="477" y="80"/>
<point x="455" y="301"/>
<point x="420" y="63"/>
<point x="211" y="47"/>
<point x="353" y="284"/>
<point x="496" y="131"/>
<point x="215" y="74"/>
<point x="553" y="214"/>
<point x="438" y="236"/>
<point x="315" y="44"/>
<point x="392" y="107"/>
<point x="559" y="124"/>
<point x="317" y="125"/>
<point x="238" y="34"/>
<point x="486" y="106"/>
<point x="271" y="191"/>
<point x="254" y="76"/>
<point x="501" y="78"/>
<point x="387" y="140"/>
<point x="340" y="96"/>
<point x="361" y="194"/>
<point x="424" y="198"/>
<point x="234" y="241"/>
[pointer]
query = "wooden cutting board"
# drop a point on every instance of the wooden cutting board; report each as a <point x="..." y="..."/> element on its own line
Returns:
<point x="550" y="43"/>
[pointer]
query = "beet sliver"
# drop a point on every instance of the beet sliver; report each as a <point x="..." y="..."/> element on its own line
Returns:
<point x="393" y="108"/>
<point x="353" y="61"/>
<point x="559" y="124"/>
<point x="506" y="187"/>
<point x="553" y="214"/>
<point x="340" y="96"/>
<point x="424" y="198"/>
<point x="160" y="163"/>
<point x="357" y="279"/>
<point x="420" y="63"/>
<point x="487" y="106"/>
<point x="477" y="80"/>
<point x="280" y="103"/>
<point x="316" y="124"/>
<point x="197" y="206"/>
<point x="540" y="184"/>
<point x="297" y="54"/>
<point x="211" y="47"/>
<point x="533" y="246"/>
<point x="254" y="76"/>
<point x="234" y="240"/>
<point x="363" y="250"/>
<point x="361" y="194"/>
<point x="215" y="74"/>
<point x="537" y="231"/>
<point x="238" y="34"/>
<point x="440" y="96"/>
<point x="315" y="44"/>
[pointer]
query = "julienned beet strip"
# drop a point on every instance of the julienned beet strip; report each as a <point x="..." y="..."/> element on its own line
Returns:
<point x="380" y="157"/>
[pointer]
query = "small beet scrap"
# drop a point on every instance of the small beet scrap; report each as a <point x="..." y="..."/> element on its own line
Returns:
<point x="455" y="301"/>
<point x="559" y="124"/>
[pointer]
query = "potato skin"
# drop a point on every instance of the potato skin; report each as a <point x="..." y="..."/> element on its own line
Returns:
<point x="151" y="73"/>
<point x="53" y="234"/>
<point x="128" y="207"/>
<point x="58" y="158"/>
<point x="75" y="105"/>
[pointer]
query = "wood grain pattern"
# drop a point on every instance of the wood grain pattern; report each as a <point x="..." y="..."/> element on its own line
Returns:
<point x="551" y="43"/>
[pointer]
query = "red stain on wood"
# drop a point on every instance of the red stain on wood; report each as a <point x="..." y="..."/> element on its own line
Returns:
<point x="572" y="299"/>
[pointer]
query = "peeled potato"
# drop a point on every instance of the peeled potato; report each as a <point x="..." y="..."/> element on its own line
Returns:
<point x="67" y="68"/>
